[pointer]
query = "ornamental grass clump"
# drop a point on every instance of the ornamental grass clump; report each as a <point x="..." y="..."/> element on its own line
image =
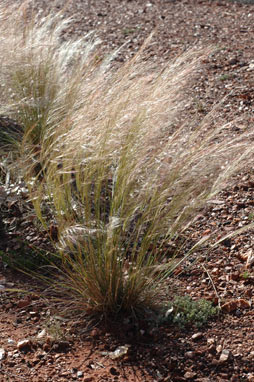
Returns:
<point x="40" y="78"/>
<point x="111" y="158"/>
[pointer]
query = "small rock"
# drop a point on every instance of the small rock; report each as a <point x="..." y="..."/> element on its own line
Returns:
<point x="23" y="303"/>
<point x="42" y="334"/>
<point x="190" y="354"/>
<point x="63" y="346"/>
<point x="251" y="355"/>
<point x="219" y="348"/>
<point x="197" y="336"/>
<point x="189" y="375"/>
<point x="210" y="341"/>
<point x="225" y="355"/>
<point x="229" y="306"/>
<point x="233" y="61"/>
<point x="24" y="345"/>
<point x="64" y="374"/>
<point x="212" y="349"/>
<point x="214" y="362"/>
<point x="80" y="374"/>
<point x="119" y="352"/>
<point x="251" y="66"/>
<point x="33" y="314"/>
<point x="243" y="304"/>
<point x="11" y="341"/>
<point x="37" y="359"/>
<point x="2" y="354"/>
<point x="9" y="285"/>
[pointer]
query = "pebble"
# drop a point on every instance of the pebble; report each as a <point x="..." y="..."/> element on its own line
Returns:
<point x="210" y="341"/>
<point x="42" y="334"/>
<point x="80" y="374"/>
<point x="24" y="345"/>
<point x="119" y="352"/>
<point x="15" y="355"/>
<point x="33" y="314"/>
<point x="61" y="346"/>
<point x="225" y="355"/>
<point x="197" y="336"/>
<point x="251" y="355"/>
<point x="219" y="348"/>
<point x="189" y="375"/>
<point x="190" y="354"/>
<point x="11" y="341"/>
<point x="2" y="354"/>
<point x="23" y="303"/>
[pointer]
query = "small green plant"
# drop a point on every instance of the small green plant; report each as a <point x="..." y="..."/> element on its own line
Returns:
<point x="245" y="275"/>
<point x="128" y="31"/>
<point x="224" y="77"/>
<point x="185" y="311"/>
<point x="251" y="216"/>
<point x="55" y="329"/>
<point x="200" y="106"/>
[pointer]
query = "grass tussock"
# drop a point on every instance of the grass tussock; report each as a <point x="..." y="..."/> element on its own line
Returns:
<point x="108" y="156"/>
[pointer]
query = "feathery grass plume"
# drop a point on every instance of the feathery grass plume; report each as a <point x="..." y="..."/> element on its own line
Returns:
<point x="40" y="76"/>
<point x="123" y="168"/>
<point x="133" y="182"/>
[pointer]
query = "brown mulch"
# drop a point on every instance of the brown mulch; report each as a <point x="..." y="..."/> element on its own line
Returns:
<point x="74" y="349"/>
